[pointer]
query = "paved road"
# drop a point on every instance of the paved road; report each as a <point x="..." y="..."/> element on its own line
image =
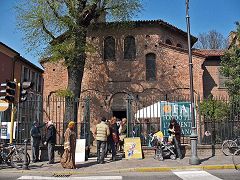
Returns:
<point x="175" y="175"/>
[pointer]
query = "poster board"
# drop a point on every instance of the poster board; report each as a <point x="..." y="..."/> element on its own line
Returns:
<point x="5" y="128"/>
<point x="133" y="148"/>
<point x="80" y="150"/>
<point x="182" y="113"/>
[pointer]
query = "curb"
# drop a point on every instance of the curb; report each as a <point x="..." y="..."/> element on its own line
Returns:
<point x="140" y="169"/>
<point x="184" y="168"/>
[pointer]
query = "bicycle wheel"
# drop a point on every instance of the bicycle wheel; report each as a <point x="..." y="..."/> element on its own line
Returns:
<point x="236" y="159"/>
<point x="229" y="147"/>
<point x="17" y="159"/>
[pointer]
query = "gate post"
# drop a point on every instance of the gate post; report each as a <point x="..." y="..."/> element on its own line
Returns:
<point x="129" y="116"/>
<point x="86" y="121"/>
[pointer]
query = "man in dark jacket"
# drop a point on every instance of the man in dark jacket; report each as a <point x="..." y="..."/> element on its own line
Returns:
<point x="35" y="140"/>
<point x="175" y="134"/>
<point x="50" y="141"/>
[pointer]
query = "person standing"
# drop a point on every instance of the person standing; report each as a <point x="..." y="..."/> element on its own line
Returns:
<point x="68" y="157"/>
<point x="35" y="140"/>
<point x="102" y="132"/>
<point x="123" y="133"/>
<point x="113" y="138"/>
<point x="50" y="141"/>
<point x="175" y="135"/>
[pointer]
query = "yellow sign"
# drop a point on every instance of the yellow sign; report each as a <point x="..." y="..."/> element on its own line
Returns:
<point x="3" y="105"/>
<point x="132" y="148"/>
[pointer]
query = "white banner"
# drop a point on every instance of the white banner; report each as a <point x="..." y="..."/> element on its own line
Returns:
<point x="80" y="150"/>
<point x="5" y="128"/>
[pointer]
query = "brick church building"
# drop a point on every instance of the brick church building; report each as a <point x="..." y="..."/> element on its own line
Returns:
<point x="144" y="59"/>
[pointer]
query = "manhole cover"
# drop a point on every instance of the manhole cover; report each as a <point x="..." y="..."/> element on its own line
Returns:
<point x="61" y="175"/>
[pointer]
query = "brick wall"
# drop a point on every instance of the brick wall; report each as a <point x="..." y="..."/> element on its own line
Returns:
<point x="109" y="82"/>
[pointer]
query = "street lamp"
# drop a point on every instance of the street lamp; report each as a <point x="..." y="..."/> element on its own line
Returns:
<point x="194" y="160"/>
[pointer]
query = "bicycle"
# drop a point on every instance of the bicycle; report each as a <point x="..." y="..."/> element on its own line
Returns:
<point x="230" y="146"/>
<point x="236" y="159"/>
<point x="13" y="156"/>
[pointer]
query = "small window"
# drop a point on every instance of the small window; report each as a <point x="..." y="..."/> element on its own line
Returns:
<point x="222" y="79"/>
<point x="151" y="67"/>
<point x="168" y="41"/>
<point x="129" y="48"/>
<point x="25" y="74"/>
<point x="109" y="48"/>
<point x="179" y="45"/>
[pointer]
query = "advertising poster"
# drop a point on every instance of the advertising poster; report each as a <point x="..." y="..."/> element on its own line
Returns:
<point x="80" y="150"/>
<point x="5" y="128"/>
<point x="133" y="148"/>
<point x="182" y="113"/>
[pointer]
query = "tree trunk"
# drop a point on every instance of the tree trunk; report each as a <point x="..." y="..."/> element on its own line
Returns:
<point x="75" y="76"/>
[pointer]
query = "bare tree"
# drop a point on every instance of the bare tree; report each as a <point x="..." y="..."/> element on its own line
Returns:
<point x="211" y="40"/>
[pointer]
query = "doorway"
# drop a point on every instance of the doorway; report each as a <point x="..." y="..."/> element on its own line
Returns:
<point x="120" y="114"/>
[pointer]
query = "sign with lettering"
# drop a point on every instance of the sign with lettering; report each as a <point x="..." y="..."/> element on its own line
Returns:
<point x="182" y="113"/>
<point x="5" y="128"/>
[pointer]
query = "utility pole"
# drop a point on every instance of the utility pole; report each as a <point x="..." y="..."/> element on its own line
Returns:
<point x="194" y="160"/>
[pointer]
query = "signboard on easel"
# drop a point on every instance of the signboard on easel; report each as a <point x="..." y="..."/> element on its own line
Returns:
<point x="80" y="150"/>
<point x="133" y="148"/>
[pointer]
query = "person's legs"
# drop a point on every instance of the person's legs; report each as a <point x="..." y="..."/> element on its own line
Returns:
<point x="113" y="148"/>
<point x="34" y="154"/>
<point x="37" y="153"/>
<point x="177" y="147"/>
<point x="98" y="151"/>
<point x="50" y="153"/>
<point x="103" y="147"/>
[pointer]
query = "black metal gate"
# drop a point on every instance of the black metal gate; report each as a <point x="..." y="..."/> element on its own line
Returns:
<point x="52" y="108"/>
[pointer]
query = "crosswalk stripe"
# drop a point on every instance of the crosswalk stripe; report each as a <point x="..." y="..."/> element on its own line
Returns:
<point x="195" y="175"/>
<point x="74" y="178"/>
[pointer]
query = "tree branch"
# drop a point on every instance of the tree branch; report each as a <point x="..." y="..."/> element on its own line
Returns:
<point x="46" y="30"/>
<point x="71" y="7"/>
<point x="66" y="19"/>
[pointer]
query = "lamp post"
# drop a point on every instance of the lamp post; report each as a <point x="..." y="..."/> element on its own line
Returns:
<point x="194" y="160"/>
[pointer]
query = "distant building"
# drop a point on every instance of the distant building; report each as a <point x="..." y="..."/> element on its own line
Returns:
<point x="14" y="66"/>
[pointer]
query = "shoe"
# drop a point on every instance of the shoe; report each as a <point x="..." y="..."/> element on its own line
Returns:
<point x="34" y="161"/>
<point x="102" y="162"/>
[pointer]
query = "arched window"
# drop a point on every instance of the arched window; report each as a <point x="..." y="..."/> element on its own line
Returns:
<point x="168" y="41"/>
<point x="129" y="48"/>
<point x="150" y="67"/>
<point x="109" y="48"/>
<point x="179" y="45"/>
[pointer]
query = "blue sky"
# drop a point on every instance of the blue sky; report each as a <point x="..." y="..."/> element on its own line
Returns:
<point x="205" y="15"/>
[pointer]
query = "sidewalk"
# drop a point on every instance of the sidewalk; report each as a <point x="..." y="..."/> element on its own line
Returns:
<point x="134" y="165"/>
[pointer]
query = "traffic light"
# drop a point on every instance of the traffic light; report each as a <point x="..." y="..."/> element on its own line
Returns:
<point x="23" y="91"/>
<point x="9" y="91"/>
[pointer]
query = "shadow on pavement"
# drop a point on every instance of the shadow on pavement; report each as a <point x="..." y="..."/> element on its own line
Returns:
<point x="86" y="164"/>
<point x="205" y="159"/>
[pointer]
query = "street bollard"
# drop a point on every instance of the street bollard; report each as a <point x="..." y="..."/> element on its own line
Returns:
<point x="25" y="164"/>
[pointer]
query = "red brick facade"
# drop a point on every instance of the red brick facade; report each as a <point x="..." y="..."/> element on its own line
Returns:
<point x="109" y="82"/>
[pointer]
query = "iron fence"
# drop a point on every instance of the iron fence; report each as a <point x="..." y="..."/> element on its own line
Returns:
<point x="145" y="116"/>
<point x="223" y="123"/>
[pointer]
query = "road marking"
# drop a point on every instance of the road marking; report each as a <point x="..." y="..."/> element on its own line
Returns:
<point x="74" y="178"/>
<point x="195" y="175"/>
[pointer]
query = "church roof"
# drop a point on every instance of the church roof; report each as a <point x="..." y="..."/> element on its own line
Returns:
<point x="153" y="22"/>
<point x="209" y="52"/>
